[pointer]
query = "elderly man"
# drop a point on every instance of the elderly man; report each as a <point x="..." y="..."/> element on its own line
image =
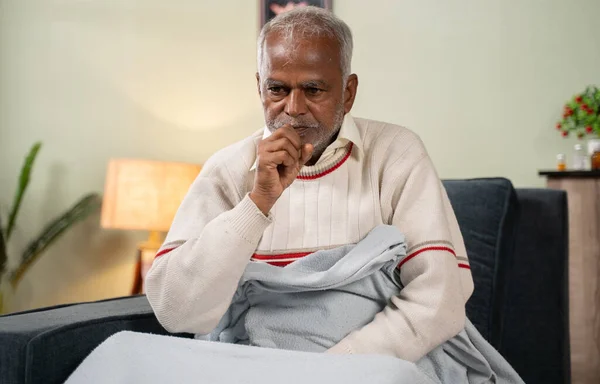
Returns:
<point x="315" y="178"/>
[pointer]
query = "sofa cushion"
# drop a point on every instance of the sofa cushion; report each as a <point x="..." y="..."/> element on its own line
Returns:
<point x="486" y="210"/>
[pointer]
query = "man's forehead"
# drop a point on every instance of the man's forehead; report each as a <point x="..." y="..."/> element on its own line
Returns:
<point x="313" y="80"/>
<point x="279" y="45"/>
<point x="300" y="57"/>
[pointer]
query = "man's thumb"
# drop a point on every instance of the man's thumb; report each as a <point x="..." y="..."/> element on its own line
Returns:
<point x="307" y="151"/>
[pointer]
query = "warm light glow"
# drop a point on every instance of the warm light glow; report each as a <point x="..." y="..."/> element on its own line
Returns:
<point x="144" y="195"/>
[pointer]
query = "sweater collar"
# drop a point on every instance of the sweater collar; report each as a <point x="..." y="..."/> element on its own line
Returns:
<point x="348" y="134"/>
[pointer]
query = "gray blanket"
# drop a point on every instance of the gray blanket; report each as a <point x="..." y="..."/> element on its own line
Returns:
<point x="130" y="357"/>
<point x="307" y="306"/>
<point x="314" y="302"/>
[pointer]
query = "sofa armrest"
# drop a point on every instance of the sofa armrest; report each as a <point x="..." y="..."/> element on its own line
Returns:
<point x="45" y="346"/>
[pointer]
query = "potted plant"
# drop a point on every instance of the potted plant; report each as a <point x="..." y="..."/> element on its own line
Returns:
<point x="10" y="277"/>
<point x="581" y="117"/>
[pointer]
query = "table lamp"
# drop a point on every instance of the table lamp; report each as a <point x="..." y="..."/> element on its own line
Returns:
<point x="144" y="195"/>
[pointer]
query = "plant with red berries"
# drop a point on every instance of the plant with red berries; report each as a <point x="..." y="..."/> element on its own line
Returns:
<point x="581" y="114"/>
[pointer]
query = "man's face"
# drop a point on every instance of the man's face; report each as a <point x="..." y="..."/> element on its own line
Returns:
<point x="300" y="83"/>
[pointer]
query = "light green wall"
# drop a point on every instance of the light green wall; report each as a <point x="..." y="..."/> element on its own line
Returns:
<point x="482" y="81"/>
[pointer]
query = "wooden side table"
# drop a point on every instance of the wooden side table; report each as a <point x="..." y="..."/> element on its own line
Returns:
<point x="583" y="195"/>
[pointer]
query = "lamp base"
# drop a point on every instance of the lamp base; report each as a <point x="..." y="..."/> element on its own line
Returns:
<point x="145" y="256"/>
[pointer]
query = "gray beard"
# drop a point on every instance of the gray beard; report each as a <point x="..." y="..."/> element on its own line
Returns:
<point x="327" y="139"/>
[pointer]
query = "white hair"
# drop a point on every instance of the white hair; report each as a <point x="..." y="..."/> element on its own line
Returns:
<point x="309" y="22"/>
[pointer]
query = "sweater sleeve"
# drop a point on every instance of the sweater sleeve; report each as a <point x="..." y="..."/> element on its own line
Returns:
<point x="430" y="309"/>
<point x="213" y="236"/>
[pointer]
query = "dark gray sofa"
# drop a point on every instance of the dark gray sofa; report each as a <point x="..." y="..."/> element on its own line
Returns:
<point x="517" y="244"/>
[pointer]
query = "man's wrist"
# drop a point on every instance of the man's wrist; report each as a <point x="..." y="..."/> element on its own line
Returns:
<point x="247" y="220"/>
<point x="262" y="203"/>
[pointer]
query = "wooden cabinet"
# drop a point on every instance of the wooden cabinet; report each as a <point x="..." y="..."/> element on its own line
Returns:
<point x="583" y="194"/>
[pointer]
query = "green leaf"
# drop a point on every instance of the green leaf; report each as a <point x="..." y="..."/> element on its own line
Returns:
<point x="3" y="252"/>
<point x="21" y="188"/>
<point x="82" y="209"/>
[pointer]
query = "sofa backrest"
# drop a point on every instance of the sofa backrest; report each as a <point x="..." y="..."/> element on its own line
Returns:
<point x="486" y="210"/>
<point x="535" y="333"/>
<point x="517" y="243"/>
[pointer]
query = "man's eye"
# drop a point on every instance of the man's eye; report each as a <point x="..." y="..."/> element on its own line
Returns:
<point x="313" y="91"/>
<point x="276" y="90"/>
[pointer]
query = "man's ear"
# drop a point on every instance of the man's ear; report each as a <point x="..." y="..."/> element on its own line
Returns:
<point x="258" y="83"/>
<point x="350" y="92"/>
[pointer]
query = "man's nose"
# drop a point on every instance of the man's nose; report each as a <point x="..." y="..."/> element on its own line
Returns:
<point x="296" y="103"/>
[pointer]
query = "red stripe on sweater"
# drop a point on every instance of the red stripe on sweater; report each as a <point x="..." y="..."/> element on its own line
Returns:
<point x="297" y="255"/>
<point x="279" y="263"/>
<point x="465" y="266"/>
<point x="164" y="251"/>
<point x="327" y="172"/>
<point x="407" y="258"/>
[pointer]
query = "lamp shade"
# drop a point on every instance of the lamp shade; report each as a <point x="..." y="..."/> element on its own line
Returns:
<point x="143" y="194"/>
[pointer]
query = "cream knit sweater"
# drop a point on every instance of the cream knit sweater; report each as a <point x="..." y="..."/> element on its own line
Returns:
<point x="374" y="173"/>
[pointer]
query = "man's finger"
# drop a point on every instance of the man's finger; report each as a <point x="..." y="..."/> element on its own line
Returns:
<point x="283" y="144"/>
<point x="290" y="133"/>
<point x="273" y="159"/>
